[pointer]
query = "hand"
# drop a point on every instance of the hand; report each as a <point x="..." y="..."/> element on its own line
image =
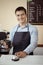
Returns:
<point x="20" y="54"/>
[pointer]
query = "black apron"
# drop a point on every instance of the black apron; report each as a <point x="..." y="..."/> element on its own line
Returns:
<point x="21" y="40"/>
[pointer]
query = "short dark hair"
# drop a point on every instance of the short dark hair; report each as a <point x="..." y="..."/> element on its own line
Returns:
<point x="20" y="8"/>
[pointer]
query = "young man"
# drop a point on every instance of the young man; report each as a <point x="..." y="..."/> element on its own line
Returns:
<point x="23" y="36"/>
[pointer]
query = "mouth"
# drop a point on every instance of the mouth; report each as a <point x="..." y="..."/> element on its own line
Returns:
<point x="21" y="19"/>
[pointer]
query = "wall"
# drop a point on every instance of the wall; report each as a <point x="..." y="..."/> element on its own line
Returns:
<point x="7" y="15"/>
<point x="8" y="19"/>
<point x="40" y="34"/>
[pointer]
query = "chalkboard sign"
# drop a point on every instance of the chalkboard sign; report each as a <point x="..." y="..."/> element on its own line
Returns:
<point x="35" y="11"/>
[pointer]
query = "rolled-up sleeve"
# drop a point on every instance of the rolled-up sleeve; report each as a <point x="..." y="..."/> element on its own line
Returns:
<point x="33" y="41"/>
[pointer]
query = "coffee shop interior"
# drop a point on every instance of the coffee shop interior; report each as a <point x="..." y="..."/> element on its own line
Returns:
<point x="8" y="19"/>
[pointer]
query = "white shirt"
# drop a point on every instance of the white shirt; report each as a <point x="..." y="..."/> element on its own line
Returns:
<point x="33" y="33"/>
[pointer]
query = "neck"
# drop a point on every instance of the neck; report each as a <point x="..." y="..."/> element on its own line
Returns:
<point x="23" y="24"/>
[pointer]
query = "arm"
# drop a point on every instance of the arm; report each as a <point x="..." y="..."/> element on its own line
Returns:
<point x="33" y="41"/>
<point x="12" y="32"/>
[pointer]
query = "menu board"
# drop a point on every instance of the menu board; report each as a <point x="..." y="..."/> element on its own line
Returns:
<point x="35" y="11"/>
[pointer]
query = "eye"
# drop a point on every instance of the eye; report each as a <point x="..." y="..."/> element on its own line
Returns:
<point x="18" y="15"/>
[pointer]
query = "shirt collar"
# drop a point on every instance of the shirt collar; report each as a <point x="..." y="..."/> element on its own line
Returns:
<point x="24" y="26"/>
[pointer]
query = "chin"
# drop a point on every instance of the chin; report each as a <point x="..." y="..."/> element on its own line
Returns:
<point x="21" y="21"/>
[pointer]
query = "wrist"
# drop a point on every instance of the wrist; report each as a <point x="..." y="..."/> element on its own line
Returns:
<point x="25" y="52"/>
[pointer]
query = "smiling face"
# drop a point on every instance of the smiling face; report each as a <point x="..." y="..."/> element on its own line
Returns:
<point x="21" y="16"/>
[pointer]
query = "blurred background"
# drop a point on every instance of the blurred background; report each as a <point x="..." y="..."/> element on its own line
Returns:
<point x="8" y="18"/>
